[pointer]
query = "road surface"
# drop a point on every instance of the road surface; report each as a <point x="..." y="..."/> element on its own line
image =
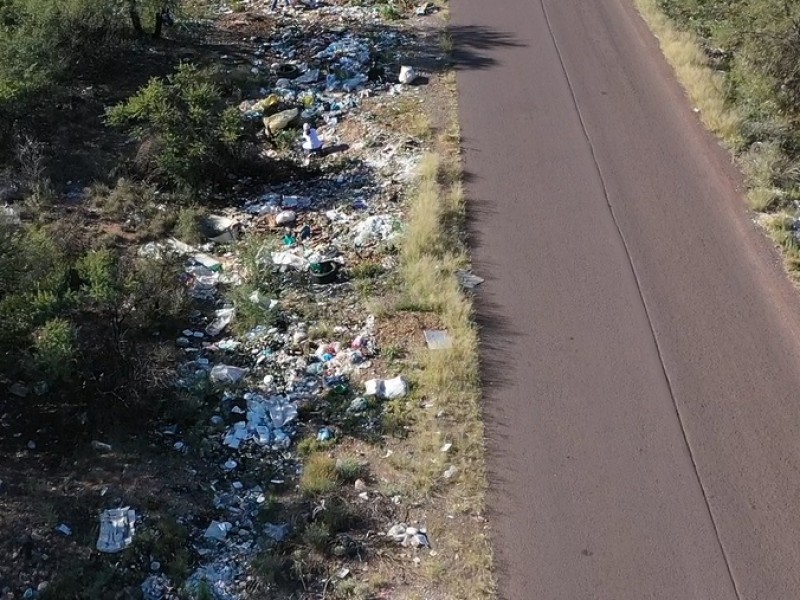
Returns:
<point x="640" y="341"/>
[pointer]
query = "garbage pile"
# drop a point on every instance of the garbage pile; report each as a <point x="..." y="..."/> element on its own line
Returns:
<point x="320" y="230"/>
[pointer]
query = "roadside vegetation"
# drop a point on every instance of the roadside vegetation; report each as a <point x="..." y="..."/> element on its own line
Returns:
<point x="121" y="127"/>
<point x="738" y="63"/>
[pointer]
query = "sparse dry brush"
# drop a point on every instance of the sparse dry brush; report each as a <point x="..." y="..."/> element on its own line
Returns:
<point x="737" y="63"/>
<point x="432" y="253"/>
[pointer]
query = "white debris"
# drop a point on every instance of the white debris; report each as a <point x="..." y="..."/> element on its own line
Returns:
<point x="227" y="374"/>
<point x="408" y="75"/>
<point x="222" y="318"/>
<point x="116" y="529"/>
<point x="409" y="537"/>
<point x="218" y="530"/>
<point x="289" y="259"/>
<point x="388" y="389"/>
<point x="376" y="228"/>
<point x="285" y="217"/>
<point x="438" y="340"/>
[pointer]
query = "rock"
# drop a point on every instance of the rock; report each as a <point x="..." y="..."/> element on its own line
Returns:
<point x="451" y="472"/>
<point x="360" y="485"/>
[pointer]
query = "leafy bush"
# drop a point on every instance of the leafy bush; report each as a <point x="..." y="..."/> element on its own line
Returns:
<point x="54" y="349"/>
<point x="42" y="41"/>
<point x="193" y="136"/>
<point x="317" y="536"/>
<point x="99" y="269"/>
<point x="190" y="227"/>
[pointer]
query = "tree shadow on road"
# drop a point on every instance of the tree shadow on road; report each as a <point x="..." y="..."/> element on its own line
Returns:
<point x="472" y="45"/>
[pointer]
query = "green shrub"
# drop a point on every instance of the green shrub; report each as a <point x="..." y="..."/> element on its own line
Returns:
<point x="99" y="268"/>
<point x="317" y="536"/>
<point x="350" y="469"/>
<point x="54" y="349"/>
<point x="319" y="475"/>
<point x="42" y="42"/>
<point x="190" y="226"/>
<point x="183" y="118"/>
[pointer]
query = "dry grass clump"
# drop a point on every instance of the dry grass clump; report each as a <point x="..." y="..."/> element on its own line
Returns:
<point x="319" y="475"/>
<point x="432" y="251"/>
<point x="704" y="86"/>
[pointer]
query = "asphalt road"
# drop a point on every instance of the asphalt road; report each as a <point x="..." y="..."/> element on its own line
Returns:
<point x="640" y="341"/>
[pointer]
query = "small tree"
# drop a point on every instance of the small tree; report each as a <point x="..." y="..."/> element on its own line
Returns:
<point x="159" y="12"/>
<point x="54" y="349"/>
<point x="193" y="134"/>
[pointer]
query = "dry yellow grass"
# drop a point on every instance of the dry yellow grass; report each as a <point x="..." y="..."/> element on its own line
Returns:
<point x="767" y="169"/>
<point x="432" y="252"/>
<point x="704" y="86"/>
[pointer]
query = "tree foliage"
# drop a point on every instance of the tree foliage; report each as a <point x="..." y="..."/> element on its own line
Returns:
<point x="44" y="42"/>
<point x="762" y="41"/>
<point x="186" y="122"/>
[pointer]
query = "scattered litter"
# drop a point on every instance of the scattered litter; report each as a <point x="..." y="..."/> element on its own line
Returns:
<point x="387" y="389"/>
<point x="155" y="587"/>
<point x="446" y="447"/>
<point x="358" y="405"/>
<point x="325" y="434"/>
<point x="379" y="228"/>
<point x="222" y="318"/>
<point x="424" y="9"/>
<point x="451" y="472"/>
<point x="409" y="537"/>
<point x="408" y="75"/>
<point x="276" y="532"/>
<point x="116" y="529"/>
<point x="438" y="340"/>
<point x="467" y="280"/>
<point x="289" y="259"/>
<point x="222" y="229"/>
<point x="227" y="374"/>
<point x="64" y="529"/>
<point x="218" y="530"/>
